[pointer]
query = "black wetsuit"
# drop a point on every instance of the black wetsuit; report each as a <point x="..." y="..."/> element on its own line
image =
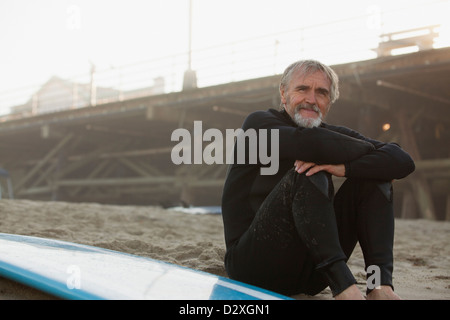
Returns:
<point x="290" y="233"/>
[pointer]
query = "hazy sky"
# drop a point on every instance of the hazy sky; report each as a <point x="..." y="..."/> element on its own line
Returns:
<point x="41" y="38"/>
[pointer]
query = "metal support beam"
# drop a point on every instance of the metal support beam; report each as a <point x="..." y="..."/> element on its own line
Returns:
<point x="407" y="90"/>
<point x="42" y="162"/>
<point x="419" y="184"/>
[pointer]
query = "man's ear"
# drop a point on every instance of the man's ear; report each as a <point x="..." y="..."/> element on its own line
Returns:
<point x="283" y="99"/>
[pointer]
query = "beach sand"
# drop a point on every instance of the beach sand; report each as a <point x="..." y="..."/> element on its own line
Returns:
<point x="422" y="253"/>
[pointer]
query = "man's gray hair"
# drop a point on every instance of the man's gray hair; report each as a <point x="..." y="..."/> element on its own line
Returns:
<point x="306" y="67"/>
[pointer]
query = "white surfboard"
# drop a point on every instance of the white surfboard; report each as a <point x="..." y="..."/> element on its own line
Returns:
<point x="198" y="210"/>
<point x="74" y="271"/>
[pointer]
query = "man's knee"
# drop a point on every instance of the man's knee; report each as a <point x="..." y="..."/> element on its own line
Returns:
<point x="320" y="181"/>
<point x="383" y="187"/>
<point x="386" y="189"/>
<point x="370" y="186"/>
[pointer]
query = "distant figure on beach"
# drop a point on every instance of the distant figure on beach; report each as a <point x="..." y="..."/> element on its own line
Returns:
<point x="290" y="232"/>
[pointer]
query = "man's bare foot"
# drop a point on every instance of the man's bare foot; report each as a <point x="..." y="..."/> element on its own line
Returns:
<point x="351" y="293"/>
<point x="383" y="293"/>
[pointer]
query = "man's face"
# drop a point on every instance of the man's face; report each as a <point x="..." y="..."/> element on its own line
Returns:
<point x="306" y="98"/>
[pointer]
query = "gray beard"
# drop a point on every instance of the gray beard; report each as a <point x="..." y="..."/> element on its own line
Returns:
<point x="307" y="122"/>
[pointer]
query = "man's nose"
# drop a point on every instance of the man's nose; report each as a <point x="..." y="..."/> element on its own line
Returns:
<point x="310" y="97"/>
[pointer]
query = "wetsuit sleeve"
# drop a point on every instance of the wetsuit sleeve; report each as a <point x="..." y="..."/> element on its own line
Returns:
<point x="363" y="157"/>
<point x="318" y="145"/>
<point x="387" y="161"/>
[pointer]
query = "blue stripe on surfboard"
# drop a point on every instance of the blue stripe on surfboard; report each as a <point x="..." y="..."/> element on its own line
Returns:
<point x="223" y="288"/>
<point x="226" y="288"/>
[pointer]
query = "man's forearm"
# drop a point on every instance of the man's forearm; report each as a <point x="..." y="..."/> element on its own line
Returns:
<point x="386" y="163"/>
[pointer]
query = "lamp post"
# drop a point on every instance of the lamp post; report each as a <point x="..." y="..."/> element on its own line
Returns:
<point x="190" y="77"/>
